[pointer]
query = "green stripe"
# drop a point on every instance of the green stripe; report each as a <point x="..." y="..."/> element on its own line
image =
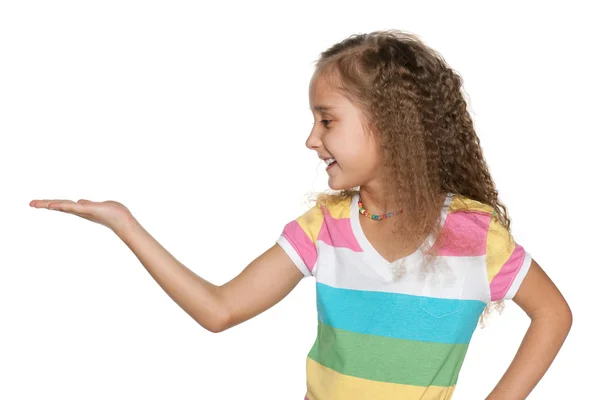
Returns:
<point x="388" y="359"/>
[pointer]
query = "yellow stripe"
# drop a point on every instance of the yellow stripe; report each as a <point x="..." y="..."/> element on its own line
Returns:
<point x="341" y="209"/>
<point x="311" y="222"/>
<point x="462" y="203"/>
<point x="325" y="384"/>
<point x="500" y="244"/>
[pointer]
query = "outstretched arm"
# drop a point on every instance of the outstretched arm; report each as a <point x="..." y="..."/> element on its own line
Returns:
<point x="261" y="285"/>
<point x="551" y="320"/>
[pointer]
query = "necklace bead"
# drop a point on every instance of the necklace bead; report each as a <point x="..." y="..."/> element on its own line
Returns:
<point x="367" y="214"/>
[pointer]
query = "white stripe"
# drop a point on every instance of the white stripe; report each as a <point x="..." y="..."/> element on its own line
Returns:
<point x="512" y="291"/>
<point x="458" y="277"/>
<point x="377" y="261"/>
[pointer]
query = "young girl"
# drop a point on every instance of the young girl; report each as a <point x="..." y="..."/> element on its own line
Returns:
<point x="409" y="251"/>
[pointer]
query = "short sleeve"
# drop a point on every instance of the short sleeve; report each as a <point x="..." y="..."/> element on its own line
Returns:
<point x="507" y="262"/>
<point x="299" y="240"/>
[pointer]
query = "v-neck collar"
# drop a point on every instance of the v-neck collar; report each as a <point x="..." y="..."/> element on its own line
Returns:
<point x="372" y="254"/>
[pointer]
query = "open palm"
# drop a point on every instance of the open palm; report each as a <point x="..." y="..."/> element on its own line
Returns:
<point x="111" y="214"/>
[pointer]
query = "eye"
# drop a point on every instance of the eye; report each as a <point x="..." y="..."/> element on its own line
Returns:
<point x="325" y="122"/>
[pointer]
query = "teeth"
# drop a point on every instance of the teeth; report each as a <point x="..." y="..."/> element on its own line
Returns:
<point x="328" y="161"/>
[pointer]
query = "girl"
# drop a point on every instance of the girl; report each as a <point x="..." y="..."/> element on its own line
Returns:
<point x="410" y="250"/>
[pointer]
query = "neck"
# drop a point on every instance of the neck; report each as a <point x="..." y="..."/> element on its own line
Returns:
<point x="376" y="204"/>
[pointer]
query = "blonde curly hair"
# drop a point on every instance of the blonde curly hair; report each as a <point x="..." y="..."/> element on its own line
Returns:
<point x="412" y="102"/>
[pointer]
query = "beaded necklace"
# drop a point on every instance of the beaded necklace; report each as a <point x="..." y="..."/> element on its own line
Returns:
<point x="367" y="214"/>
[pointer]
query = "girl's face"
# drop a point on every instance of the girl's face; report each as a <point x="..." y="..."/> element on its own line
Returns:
<point x="338" y="133"/>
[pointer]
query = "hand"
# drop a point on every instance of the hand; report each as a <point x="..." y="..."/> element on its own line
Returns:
<point x="111" y="214"/>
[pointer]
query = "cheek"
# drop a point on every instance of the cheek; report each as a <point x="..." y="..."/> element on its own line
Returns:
<point x="361" y="152"/>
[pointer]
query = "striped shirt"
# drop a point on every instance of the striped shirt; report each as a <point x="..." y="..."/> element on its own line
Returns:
<point x="384" y="337"/>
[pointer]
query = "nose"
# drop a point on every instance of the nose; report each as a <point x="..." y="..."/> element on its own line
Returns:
<point x="313" y="142"/>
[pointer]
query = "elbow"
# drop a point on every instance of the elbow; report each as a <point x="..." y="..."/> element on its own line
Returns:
<point x="220" y="315"/>
<point x="218" y="324"/>
<point x="557" y="317"/>
<point x="567" y="322"/>
<point x="569" y="318"/>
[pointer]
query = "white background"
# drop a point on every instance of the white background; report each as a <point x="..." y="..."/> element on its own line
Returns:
<point x="195" y="117"/>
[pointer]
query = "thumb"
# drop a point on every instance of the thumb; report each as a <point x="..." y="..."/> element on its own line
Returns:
<point x="83" y="201"/>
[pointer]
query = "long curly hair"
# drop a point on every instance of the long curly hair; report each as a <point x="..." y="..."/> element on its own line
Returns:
<point x="411" y="101"/>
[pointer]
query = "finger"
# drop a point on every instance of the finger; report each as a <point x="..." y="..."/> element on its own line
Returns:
<point x="52" y="204"/>
<point x="66" y="206"/>
<point x="39" y="203"/>
<point x="42" y="203"/>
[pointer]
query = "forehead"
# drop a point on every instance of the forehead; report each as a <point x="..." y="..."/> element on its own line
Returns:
<point x="323" y="96"/>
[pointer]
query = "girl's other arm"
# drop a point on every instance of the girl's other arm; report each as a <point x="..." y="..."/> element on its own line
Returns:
<point x="551" y="321"/>
<point x="261" y="285"/>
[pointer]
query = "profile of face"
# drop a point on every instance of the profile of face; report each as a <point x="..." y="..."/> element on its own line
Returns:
<point x="338" y="133"/>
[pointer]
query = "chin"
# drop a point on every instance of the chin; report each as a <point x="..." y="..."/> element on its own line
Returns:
<point x="339" y="186"/>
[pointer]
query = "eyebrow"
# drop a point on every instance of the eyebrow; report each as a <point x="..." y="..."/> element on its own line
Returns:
<point x="321" y="108"/>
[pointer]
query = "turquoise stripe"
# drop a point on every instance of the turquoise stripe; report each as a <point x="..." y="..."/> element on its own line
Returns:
<point x="397" y="315"/>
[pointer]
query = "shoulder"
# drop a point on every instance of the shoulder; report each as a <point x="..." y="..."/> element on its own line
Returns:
<point x="338" y="208"/>
<point x="323" y="213"/>
<point x="470" y="217"/>
<point x="482" y="218"/>
<point x="307" y="225"/>
<point x="506" y="261"/>
<point x="464" y="204"/>
<point x="478" y="229"/>
<point x="479" y="221"/>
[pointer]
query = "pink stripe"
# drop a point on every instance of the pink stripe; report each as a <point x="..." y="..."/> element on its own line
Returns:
<point x="509" y="271"/>
<point x="338" y="232"/>
<point x="467" y="233"/>
<point x="300" y="241"/>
